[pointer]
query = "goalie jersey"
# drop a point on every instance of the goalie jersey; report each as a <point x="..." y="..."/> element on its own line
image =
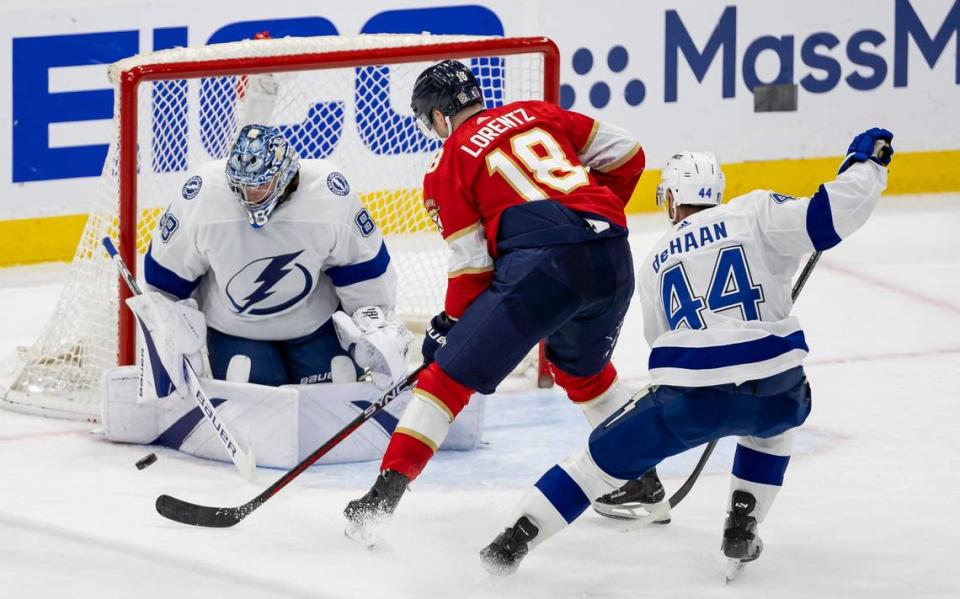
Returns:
<point x="320" y="250"/>
<point x="716" y="289"/>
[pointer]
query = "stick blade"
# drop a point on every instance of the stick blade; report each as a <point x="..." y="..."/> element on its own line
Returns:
<point x="185" y="512"/>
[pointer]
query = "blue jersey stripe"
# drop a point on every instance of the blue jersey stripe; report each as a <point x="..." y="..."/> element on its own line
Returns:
<point x="820" y="221"/>
<point x="563" y="492"/>
<point x="758" y="467"/>
<point x="721" y="356"/>
<point x="362" y="271"/>
<point x="161" y="277"/>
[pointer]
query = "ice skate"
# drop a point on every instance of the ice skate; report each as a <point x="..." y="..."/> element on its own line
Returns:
<point x="634" y="500"/>
<point x="366" y="514"/>
<point x="502" y="556"/>
<point x="741" y="544"/>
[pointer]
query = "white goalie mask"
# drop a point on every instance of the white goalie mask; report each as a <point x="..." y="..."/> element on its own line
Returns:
<point x="693" y="178"/>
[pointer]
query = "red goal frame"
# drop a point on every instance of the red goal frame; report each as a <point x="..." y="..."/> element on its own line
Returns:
<point x="130" y="80"/>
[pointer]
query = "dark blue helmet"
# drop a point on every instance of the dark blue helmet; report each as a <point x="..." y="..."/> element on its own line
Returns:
<point x="448" y="87"/>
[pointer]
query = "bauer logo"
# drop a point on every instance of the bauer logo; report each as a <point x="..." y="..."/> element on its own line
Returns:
<point x="192" y="187"/>
<point x="269" y="285"/>
<point x="338" y="184"/>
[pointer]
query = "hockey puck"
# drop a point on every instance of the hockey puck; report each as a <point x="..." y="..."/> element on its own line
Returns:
<point x="146" y="461"/>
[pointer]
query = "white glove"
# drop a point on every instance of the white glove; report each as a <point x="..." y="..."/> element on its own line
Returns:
<point x="173" y="330"/>
<point x="376" y="342"/>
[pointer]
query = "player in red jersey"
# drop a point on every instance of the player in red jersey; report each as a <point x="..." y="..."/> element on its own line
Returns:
<point x="530" y="199"/>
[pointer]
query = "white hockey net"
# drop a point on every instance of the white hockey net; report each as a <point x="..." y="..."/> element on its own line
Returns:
<point x="356" y="115"/>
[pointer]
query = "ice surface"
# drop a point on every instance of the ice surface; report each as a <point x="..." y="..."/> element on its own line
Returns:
<point x="869" y="508"/>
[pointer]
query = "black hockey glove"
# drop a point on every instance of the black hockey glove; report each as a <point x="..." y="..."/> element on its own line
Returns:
<point x="436" y="336"/>
<point x="872" y="144"/>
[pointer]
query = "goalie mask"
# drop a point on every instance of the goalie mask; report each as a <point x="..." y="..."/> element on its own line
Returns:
<point x="693" y="179"/>
<point x="448" y="87"/>
<point x="260" y="168"/>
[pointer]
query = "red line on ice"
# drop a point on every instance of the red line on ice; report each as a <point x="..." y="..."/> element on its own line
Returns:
<point x="878" y="357"/>
<point x="878" y="282"/>
<point x="26" y="436"/>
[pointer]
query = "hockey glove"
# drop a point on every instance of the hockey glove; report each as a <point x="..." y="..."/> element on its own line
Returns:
<point x="436" y="336"/>
<point x="872" y="144"/>
<point x="376" y="341"/>
<point x="171" y="330"/>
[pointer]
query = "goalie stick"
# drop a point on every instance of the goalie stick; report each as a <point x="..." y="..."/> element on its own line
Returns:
<point x="242" y="458"/>
<point x="684" y="489"/>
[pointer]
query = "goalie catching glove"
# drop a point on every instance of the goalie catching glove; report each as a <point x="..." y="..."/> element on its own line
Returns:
<point x="171" y="330"/>
<point x="376" y="342"/>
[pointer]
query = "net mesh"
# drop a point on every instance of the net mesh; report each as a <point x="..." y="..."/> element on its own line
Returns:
<point x="357" y="116"/>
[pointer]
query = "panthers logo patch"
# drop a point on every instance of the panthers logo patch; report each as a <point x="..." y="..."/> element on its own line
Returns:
<point x="433" y="211"/>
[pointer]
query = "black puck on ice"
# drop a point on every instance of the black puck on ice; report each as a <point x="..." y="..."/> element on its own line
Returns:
<point x="146" y="461"/>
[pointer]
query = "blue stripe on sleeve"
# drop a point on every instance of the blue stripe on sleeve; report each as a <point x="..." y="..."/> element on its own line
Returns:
<point x="720" y="356"/>
<point x="362" y="271"/>
<point x="564" y="493"/>
<point x="820" y="221"/>
<point x="758" y="467"/>
<point x="161" y="277"/>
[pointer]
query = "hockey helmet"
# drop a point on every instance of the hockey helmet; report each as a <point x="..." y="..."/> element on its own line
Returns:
<point x="260" y="167"/>
<point x="693" y="178"/>
<point x="449" y="87"/>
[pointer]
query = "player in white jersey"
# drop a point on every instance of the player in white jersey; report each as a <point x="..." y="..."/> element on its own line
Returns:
<point x="726" y="355"/>
<point x="271" y="247"/>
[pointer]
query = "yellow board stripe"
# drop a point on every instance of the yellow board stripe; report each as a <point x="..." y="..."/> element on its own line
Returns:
<point x="910" y="172"/>
<point x="30" y="240"/>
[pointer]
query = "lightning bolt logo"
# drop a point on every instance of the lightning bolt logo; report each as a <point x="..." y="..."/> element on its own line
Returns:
<point x="276" y="269"/>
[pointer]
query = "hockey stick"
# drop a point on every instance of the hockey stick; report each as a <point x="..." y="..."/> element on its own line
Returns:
<point x="244" y="460"/>
<point x="222" y="517"/>
<point x="684" y="489"/>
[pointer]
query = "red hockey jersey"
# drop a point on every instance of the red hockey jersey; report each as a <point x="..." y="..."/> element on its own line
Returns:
<point x="520" y="152"/>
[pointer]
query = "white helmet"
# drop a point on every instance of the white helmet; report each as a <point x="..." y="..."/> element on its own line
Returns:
<point x="694" y="178"/>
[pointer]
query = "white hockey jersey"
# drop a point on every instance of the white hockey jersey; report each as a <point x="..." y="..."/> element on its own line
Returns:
<point x="715" y="290"/>
<point x="320" y="250"/>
